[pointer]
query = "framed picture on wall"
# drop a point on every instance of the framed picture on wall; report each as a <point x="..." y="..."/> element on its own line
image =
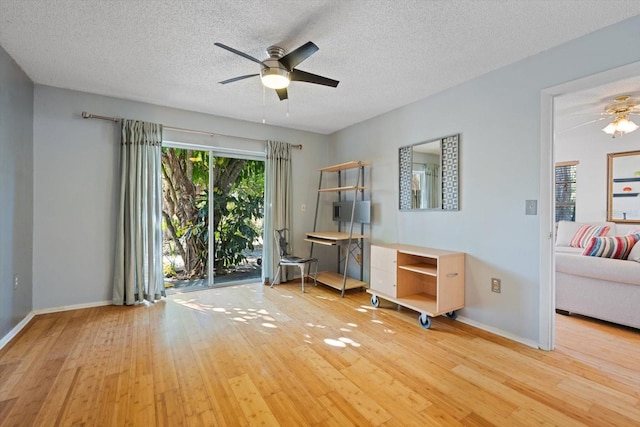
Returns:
<point x="623" y="187"/>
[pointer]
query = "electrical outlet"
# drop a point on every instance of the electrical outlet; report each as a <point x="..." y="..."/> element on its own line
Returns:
<point x="15" y="282"/>
<point x="496" y="285"/>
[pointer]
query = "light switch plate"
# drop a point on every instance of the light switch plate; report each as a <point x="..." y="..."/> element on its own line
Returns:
<point x="531" y="207"/>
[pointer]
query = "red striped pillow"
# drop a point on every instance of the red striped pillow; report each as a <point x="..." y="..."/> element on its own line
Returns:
<point x="611" y="247"/>
<point x="585" y="233"/>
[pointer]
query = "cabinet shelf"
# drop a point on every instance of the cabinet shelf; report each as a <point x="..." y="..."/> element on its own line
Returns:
<point x="333" y="236"/>
<point x="335" y="280"/>
<point x="343" y="166"/>
<point x="420" y="268"/>
<point x="324" y="242"/>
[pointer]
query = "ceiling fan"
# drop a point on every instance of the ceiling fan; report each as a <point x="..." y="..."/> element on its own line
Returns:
<point x="618" y="111"/>
<point x="278" y="70"/>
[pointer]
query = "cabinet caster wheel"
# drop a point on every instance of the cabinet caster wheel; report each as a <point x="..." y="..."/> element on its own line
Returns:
<point x="452" y="315"/>
<point x="375" y="301"/>
<point x="425" y="321"/>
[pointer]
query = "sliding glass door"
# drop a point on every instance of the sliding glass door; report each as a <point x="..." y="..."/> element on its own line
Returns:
<point x="212" y="217"/>
<point x="238" y="205"/>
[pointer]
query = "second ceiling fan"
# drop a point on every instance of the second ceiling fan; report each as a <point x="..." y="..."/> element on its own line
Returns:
<point x="277" y="71"/>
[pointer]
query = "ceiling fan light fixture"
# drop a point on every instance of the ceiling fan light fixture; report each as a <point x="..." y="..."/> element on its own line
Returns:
<point x="625" y="125"/>
<point x="610" y="129"/>
<point x="275" y="77"/>
<point x="620" y="125"/>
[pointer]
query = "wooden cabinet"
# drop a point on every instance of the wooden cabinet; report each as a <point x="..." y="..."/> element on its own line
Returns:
<point x="427" y="280"/>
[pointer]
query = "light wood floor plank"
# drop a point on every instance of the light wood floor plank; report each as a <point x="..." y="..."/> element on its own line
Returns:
<point x="250" y="355"/>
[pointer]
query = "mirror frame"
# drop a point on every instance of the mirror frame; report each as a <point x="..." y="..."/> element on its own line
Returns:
<point x="449" y="175"/>
<point x="617" y="182"/>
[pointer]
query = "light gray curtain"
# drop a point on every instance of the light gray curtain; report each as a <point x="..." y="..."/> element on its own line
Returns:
<point x="432" y="184"/>
<point x="138" y="261"/>
<point x="279" y="209"/>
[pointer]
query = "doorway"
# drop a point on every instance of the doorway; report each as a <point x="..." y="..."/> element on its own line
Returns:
<point x="547" y="189"/>
<point x="212" y="210"/>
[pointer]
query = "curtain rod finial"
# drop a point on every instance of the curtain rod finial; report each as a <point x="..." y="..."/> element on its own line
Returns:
<point x="86" y="115"/>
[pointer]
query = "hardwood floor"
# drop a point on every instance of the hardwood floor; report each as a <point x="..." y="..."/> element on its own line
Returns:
<point x="250" y="355"/>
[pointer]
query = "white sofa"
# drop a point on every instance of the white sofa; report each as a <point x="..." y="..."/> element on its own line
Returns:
<point x="603" y="288"/>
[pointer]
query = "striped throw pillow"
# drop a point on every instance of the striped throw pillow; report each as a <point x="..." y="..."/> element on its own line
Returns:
<point x="585" y="233"/>
<point x="634" y="255"/>
<point x="617" y="247"/>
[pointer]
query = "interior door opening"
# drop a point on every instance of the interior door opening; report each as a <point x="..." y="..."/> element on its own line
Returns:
<point x="614" y="81"/>
<point x="212" y="212"/>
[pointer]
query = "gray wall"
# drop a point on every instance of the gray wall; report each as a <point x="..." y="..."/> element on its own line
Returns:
<point x="75" y="185"/>
<point x="16" y="193"/>
<point x="498" y="116"/>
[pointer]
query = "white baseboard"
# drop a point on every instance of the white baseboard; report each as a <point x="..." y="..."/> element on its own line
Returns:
<point x="24" y="322"/>
<point x="72" y="307"/>
<point x="497" y="331"/>
<point x="16" y="330"/>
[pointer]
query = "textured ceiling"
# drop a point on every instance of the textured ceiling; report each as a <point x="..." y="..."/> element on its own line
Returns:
<point x="385" y="53"/>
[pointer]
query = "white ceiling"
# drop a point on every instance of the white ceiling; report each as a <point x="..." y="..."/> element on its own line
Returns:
<point x="385" y="53"/>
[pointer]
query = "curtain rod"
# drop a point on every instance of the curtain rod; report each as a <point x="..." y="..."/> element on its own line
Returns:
<point x="86" y="115"/>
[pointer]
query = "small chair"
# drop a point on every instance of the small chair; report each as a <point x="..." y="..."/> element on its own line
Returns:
<point x="286" y="259"/>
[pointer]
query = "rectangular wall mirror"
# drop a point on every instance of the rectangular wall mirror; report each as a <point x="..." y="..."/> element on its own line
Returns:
<point x="429" y="175"/>
<point x="623" y="198"/>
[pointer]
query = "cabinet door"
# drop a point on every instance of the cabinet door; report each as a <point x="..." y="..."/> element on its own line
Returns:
<point x="383" y="258"/>
<point x="383" y="270"/>
<point x="383" y="281"/>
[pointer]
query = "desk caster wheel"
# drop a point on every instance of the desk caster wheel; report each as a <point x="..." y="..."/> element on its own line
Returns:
<point x="375" y="301"/>
<point x="425" y="321"/>
<point x="452" y="315"/>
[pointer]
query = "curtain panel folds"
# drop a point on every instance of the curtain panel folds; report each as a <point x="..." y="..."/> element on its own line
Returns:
<point x="138" y="254"/>
<point x="432" y="175"/>
<point x="278" y="194"/>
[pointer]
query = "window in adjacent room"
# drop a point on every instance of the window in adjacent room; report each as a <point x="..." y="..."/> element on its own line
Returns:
<point x="565" y="183"/>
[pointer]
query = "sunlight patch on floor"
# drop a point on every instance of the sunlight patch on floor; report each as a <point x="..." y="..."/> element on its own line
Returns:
<point x="341" y="342"/>
<point x="311" y="325"/>
<point x="237" y="314"/>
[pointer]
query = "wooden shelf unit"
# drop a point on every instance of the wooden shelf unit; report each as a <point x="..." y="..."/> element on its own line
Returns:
<point x="427" y="280"/>
<point x="347" y="237"/>
<point x="337" y="280"/>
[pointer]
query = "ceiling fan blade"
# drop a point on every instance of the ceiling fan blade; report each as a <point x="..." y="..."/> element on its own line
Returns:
<point x="303" y="76"/>
<point x="582" y="124"/>
<point x="237" y="52"/>
<point x="282" y="94"/>
<point x="235" y="79"/>
<point x="293" y="58"/>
